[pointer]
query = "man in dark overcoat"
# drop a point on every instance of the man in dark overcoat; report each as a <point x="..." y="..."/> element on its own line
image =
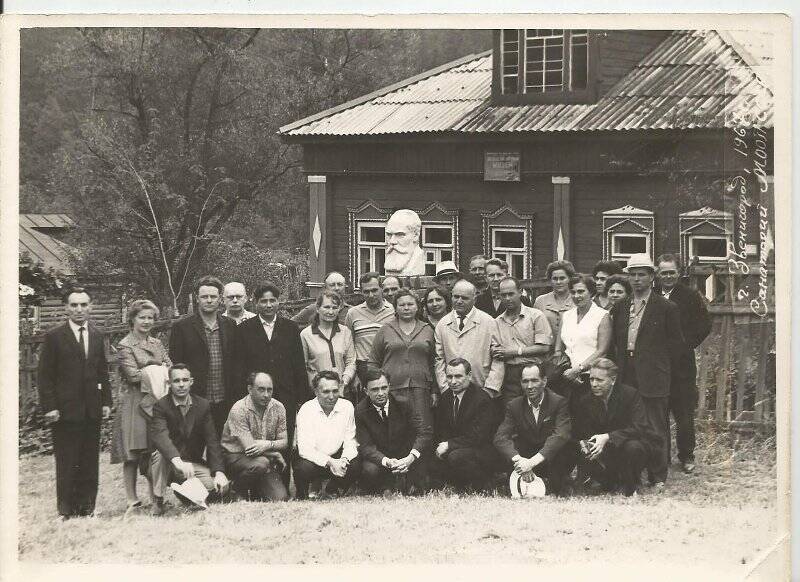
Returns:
<point x="647" y="342"/>
<point x="695" y="325"/>
<point x="271" y="343"/>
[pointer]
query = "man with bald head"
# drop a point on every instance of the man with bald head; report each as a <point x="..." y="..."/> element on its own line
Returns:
<point x="234" y="296"/>
<point x="390" y="287"/>
<point x="255" y="440"/>
<point x="467" y="332"/>
<point x="334" y="281"/>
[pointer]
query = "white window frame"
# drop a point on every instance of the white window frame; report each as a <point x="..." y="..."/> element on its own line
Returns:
<point x="618" y="222"/>
<point x="624" y="257"/>
<point x="438" y="248"/>
<point x="564" y="74"/>
<point x="507" y="218"/>
<point x="370" y="245"/>
<point x="509" y="252"/>
<point x="707" y="258"/>
<point x="713" y="224"/>
<point x="504" y="63"/>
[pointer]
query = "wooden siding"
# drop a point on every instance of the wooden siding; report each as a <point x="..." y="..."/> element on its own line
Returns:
<point x="107" y="309"/>
<point x="549" y="154"/>
<point x="470" y="195"/>
<point x="591" y="196"/>
<point x="667" y="173"/>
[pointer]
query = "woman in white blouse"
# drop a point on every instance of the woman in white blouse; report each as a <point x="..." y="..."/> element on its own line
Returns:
<point x="327" y="345"/>
<point x="585" y="329"/>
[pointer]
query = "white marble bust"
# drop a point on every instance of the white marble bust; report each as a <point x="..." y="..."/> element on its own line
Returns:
<point x="403" y="253"/>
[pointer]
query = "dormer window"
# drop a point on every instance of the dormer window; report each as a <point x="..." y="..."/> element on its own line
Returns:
<point x="543" y="65"/>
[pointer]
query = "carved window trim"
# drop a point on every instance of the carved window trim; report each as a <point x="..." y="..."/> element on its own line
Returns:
<point x="435" y="214"/>
<point x="507" y="218"/>
<point x="704" y="224"/>
<point x="368" y="213"/>
<point x="626" y="221"/>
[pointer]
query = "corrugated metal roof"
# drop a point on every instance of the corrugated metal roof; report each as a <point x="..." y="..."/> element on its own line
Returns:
<point x="693" y="79"/>
<point x="46" y="220"/>
<point x="41" y="247"/>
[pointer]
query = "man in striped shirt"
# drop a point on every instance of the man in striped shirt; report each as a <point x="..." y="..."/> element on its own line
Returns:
<point x="365" y="319"/>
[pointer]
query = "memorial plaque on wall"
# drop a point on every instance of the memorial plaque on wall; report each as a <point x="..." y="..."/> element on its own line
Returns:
<point x="501" y="166"/>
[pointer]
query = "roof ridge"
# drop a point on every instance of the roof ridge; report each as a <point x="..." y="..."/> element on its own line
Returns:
<point x="748" y="60"/>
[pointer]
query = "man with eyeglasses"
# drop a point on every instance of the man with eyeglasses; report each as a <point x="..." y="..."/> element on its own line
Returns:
<point x="234" y="296"/>
<point x="696" y="325"/>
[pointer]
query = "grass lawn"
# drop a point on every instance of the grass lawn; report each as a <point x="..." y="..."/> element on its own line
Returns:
<point x="719" y="518"/>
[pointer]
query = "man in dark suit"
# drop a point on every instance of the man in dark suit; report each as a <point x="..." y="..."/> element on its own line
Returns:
<point x="180" y="430"/>
<point x="695" y="325"/>
<point x="391" y="439"/>
<point x="206" y="343"/>
<point x="464" y="455"/>
<point x="271" y="343"/>
<point x="535" y="431"/>
<point x="611" y="435"/>
<point x="75" y="394"/>
<point x="647" y="342"/>
<point x="489" y="299"/>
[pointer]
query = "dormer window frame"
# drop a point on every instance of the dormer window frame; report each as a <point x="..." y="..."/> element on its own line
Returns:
<point x="501" y="69"/>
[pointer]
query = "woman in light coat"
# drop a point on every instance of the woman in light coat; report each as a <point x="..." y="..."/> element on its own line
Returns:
<point x="136" y="351"/>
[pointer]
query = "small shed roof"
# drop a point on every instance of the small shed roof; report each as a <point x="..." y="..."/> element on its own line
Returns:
<point x="693" y="79"/>
<point x="35" y="240"/>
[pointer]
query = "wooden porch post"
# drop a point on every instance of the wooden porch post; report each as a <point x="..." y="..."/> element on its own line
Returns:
<point x="562" y="211"/>
<point x="318" y="233"/>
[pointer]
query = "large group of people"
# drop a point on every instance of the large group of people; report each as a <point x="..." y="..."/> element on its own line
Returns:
<point x="461" y="385"/>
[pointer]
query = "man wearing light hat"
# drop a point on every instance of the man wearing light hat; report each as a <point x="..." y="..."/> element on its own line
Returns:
<point x="447" y="274"/>
<point x="647" y="342"/>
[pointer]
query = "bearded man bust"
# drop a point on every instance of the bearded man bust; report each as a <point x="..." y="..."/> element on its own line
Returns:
<point x="403" y="254"/>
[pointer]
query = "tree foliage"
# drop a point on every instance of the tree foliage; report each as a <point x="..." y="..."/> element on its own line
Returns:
<point x="161" y="142"/>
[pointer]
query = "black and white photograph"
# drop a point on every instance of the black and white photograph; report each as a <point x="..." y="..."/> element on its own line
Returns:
<point x="451" y="292"/>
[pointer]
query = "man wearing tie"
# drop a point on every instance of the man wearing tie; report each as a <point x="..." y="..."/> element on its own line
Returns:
<point x="391" y="439"/>
<point x="469" y="333"/>
<point x="75" y="394"/>
<point x="464" y="455"/>
<point x="534" y="432"/>
<point x="271" y="343"/>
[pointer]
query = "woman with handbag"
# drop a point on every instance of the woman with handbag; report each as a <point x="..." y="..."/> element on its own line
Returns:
<point x="140" y="356"/>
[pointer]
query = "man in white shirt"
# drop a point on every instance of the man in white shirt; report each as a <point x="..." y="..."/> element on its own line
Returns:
<point x="326" y="439"/>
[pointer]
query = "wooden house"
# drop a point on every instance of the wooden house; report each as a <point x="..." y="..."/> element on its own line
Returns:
<point x="576" y="144"/>
<point x="42" y="238"/>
